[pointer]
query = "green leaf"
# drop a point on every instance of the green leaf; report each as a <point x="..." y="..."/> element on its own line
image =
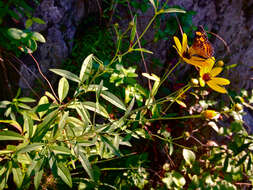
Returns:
<point x="178" y="179"/>
<point x="28" y="23"/>
<point x="84" y="114"/>
<point x="98" y="92"/>
<point x="44" y="126"/>
<point x="98" y="109"/>
<point x="38" y="37"/>
<point x="151" y="77"/>
<point x="86" y="164"/>
<point x="17" y="176"/>
<point x="153" y="3"/>
<point x="43" y="106"/>
<point x="133" y="31"/>
<point x="26" y="100"/>
<point x="15" y="33"/>
<point x="10" y="135"/>
<point x="37" y="178"/>
<point x="86" y="68"/>
<point x="94" y="87"/>
<point x="60" y="150"/>
<point x="143" y="50"/>
<point x="173" y="10"/>
<point x="64" y="174"/>
<point x="31" y="147"/>
<point x="189" y="156"/>
<point x="13" y="123"/>
<point x="66" y="74"/>
<point x="113" y="99"/>
<point x="28" y="124"/>
<point x="6" y="151"/>
<point x="63" y="88"/>
<point x="38" y="20"/>
<point x="21" y="105"/>
<point x="110" y="145"/>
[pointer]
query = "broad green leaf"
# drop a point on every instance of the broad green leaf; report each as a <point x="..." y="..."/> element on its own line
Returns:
<point x="17" y="176"/>
<point x="63" y="88"/>
<point x="38" y="37"/>
<point x="26" y="99"/>
<point x="133" y="31"/>
<point x="28" y="23"/>
<point x="98" y="109"/>
<point x="143" y="50"/>
<point x="86" y="68"/>
<point x="113" y="99"/>
<point x="10" y="135"/>
<point x="32" y="147"/>
<point x="60" y="150"/>
<point x="110" y="145"/>
<point x="64" y="174"/>
<point x="86" y="164"/>
<point x="38" y="20"/>
<point x="189" y="156"/>
<point x="66" y="74"/>
<point x="13" y="123"/>
<point x="178" y="179"/>
<point x="43" y="106"/>
<point x="37" y="178"/>
<point x="4" y="104"/>
<point x="15" y="33"/>
<point x="173" y="10"/>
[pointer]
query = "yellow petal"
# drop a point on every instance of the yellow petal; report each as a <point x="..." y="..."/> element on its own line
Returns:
<point x="184" y="42"/>
<point x="198" y="62"/>
<point x="178" y="44"/>
<point x="179" y="53"/>
<point x="221" y="81"/>
<point x="201" y="82"/>
<point x="215" y="71"/>
<point x="216" y="87"/>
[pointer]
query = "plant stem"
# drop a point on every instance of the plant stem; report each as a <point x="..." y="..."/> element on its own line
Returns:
<point x="44" y="76"/>
<point x="178" y="96"/>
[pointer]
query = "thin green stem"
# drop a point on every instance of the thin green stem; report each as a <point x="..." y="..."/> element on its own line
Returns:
<point x="178" y="96"/>
<point x="170" y="71"/>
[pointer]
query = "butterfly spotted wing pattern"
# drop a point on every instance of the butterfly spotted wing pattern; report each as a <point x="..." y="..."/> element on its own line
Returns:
<point x="201" y="47"/>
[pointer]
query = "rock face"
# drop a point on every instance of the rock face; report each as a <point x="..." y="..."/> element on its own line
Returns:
<point x="230" y="19"/>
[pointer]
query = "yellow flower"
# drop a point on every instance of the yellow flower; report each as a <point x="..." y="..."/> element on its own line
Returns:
<point x="186" y="55"/>
<point x="208" y="75"/>
<point x="210" y="114"/>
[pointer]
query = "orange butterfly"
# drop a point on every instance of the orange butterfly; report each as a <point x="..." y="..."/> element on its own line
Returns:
<point x="201" y="47"/>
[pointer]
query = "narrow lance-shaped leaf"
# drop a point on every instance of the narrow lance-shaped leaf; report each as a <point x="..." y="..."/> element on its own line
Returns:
<point x="86" y="165"/>
<point x="63" y="88"/>
<point x="110" y="145"/>
<point x="10" y="135"/>
<point x="173" y="10"/>
<point x="133" y="31"/>
<point x="143" y="50"/>
<point x="66" y="74"/>
<point x="98" y="109"/>
<point x="37" y="178"/>
<point x="31" y="147"/>
<point x="113" y="99"/>
<point x="153" y="3"/>
<point x="64" y="174"/>
<point x="17" y="176"/>
<point x="13" y="123"/>
<point x="86" y="68"/>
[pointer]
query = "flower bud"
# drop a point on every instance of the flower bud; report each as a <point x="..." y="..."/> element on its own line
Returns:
<point x="194" y="82"/>
<point x="220" y="63"/>
<point x="238" y="107"/>
<point x="210" y="114"/>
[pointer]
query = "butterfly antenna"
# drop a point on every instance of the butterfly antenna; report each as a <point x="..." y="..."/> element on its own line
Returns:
<point x="221" y="39"/>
